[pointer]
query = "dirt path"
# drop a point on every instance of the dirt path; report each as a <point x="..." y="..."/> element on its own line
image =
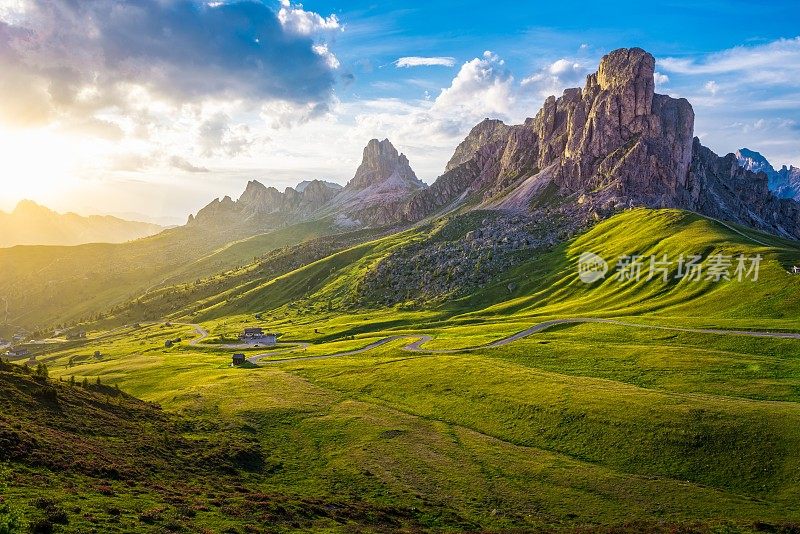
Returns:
<point x="734" y="229"/>
<point x="420" y="339"/>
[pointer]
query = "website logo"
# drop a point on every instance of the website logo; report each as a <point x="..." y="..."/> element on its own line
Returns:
<point x="591" y="267"/>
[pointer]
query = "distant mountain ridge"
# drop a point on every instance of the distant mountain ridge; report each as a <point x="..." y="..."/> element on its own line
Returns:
<point x="383" y="179"/>
<point x="263" y="208"/>
<point x="32" y="224"/>
<point x="785" y="182"/>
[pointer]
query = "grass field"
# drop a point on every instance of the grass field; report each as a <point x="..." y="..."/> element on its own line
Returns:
<point x="587" y="427"/>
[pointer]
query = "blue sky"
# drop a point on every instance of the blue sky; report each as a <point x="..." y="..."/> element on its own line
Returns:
<point x="154" y="107"/>
<point x="531" y="34"/>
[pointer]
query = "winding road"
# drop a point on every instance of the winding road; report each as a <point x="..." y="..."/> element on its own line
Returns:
<point x="420" y="339"/>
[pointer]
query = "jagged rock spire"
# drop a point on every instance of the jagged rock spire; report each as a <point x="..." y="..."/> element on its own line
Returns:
<point x="380" y="162"/>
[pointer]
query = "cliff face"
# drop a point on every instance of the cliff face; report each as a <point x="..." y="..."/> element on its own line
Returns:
<point x="611" y="144"/>
<point x="721" y="188"/>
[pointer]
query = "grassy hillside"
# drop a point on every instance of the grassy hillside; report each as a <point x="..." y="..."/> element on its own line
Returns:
<point x="545" y="283"/>
<point x="586" y="427"/>
<point x="44" y="286"/>
<point x="582" y="427"/>
<point x="113" y="463"/>
<point x="549" y="286"/>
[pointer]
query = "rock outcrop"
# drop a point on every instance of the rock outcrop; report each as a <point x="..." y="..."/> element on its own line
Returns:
<point x="611" y="144"/>
<point x="485" y="133"/>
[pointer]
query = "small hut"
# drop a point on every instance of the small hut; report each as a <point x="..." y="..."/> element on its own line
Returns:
<point x="238" y="359"/>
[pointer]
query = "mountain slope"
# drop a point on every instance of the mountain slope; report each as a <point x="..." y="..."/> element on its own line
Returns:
<point x="543" y="281"/>
<point x="114" y="463"/>
<point x="44" y="286"/>
<point x="32" y="224"/>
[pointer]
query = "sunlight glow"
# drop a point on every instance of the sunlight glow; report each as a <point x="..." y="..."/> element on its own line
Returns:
<point x="36" y="164"/>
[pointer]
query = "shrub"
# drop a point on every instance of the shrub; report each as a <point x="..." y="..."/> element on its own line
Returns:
<point x="41" y="371"/>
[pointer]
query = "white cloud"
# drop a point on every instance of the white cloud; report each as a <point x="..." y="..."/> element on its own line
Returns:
<point x="285" y="114"/>
<point x="322" y="50"/>
<point x="483" y="87"/>
<point x="218" y="135"/>
<point x="417" y="61"/>
<point x="712" y="87"/>
<point x="660" y="79"/>
<point x="555" y="77"/>
<point x="296" y="19"/>
<point x="777" y="62"/>
<point x="184" y="165"/>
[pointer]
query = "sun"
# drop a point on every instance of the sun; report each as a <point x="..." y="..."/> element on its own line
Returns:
<point x="38" y="164"/>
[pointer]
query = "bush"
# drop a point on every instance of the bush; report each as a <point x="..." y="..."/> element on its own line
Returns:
<point x="41" y="371"/>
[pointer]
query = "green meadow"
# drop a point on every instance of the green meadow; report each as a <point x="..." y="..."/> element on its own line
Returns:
<point x="580" y="427"/>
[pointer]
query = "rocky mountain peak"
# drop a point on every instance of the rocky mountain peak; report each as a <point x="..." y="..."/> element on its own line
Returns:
<point x="785" y="182"/>
<point x="260" y="198"/>
<point x="611" y="144"/>
<point x="628" y="68"/>
<point x="753" y="161"/>
<point x="381" y="162"/>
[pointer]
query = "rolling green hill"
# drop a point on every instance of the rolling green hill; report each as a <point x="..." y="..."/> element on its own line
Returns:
<point x="544" y="283"/>
<point x="43" y="286"/>
<point x="114" y="463"/>
<point x="667" y="420"/>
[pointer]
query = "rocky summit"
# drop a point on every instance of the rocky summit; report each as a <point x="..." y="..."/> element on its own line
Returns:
<point x="383" y="183"/>
<point x="587" y="154"/>
<point x="612" y="144"/>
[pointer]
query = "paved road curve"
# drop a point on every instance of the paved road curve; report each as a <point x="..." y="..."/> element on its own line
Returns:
<point x="421" y="339"/>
